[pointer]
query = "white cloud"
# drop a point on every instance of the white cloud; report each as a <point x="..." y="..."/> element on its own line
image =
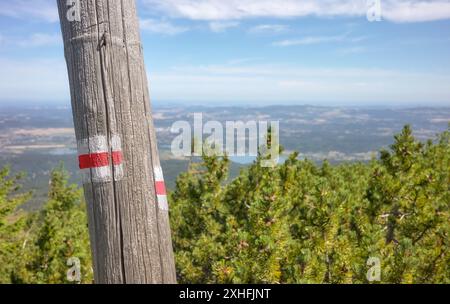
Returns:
<point x="161" y="27"/>
<point x="310" y="40"/>
<point x="416" y="11"/>
<point x="43" y="10"/>
<point x="240" y="9"/>
<point x="319" y="40"/>
<point x="214" y="10"/>
<point x="268" y="28"/>
<point x="222" y="26"/>
<point x="220" y="10"/>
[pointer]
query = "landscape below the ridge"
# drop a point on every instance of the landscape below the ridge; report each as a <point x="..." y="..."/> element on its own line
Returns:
<point x="36" y="139"/>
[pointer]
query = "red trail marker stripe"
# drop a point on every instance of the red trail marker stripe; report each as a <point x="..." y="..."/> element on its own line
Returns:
<point x="95" y="160"/>
<point x="160" y="188"/>
<point x="117" y="158"/>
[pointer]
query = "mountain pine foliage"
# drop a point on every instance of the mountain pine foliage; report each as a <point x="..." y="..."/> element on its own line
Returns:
<point x="298" y="222"/>
<point x="41" y="244"/>
<point x="303" y="223"/>
<point x="12" y="223"/>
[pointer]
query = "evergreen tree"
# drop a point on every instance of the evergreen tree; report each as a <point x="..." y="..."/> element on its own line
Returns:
<point x="12" y="224"/>
<point x="303" y="223"/>
<point x="61" y="234"/>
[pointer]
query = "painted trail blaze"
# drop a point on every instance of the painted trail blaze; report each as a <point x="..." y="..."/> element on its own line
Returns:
<point x="95" y="158"/>
<point x="160" y="188"/>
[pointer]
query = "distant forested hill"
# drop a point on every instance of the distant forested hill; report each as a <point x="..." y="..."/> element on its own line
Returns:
<point x="36" y="138"/>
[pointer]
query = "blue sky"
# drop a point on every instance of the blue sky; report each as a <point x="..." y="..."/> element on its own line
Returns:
<point x="252" y="52"/>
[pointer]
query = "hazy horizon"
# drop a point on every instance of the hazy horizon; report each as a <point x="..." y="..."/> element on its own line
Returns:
<point x="166" y="103"/>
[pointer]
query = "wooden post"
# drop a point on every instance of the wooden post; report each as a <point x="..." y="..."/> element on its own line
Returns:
<point x="123" y="183"/>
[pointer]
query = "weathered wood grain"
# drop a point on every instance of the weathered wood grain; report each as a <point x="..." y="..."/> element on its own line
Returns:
<point x="130" y="235"/>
